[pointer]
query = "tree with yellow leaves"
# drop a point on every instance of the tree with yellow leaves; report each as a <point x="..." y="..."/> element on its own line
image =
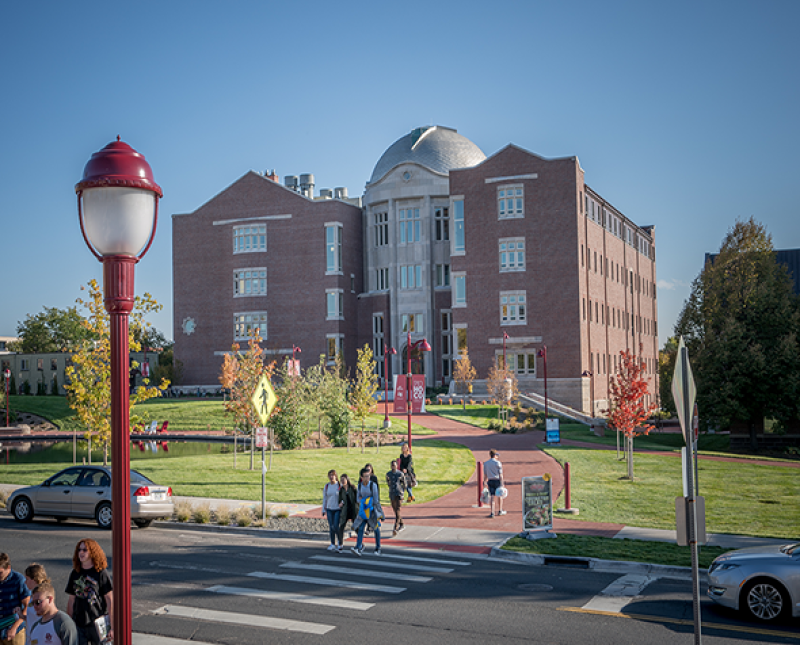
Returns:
<point x="88" y="376"/>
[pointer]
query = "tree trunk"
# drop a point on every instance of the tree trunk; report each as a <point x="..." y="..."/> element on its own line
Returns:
<point x="629" y="444"/>
<point x="753" y="436"/>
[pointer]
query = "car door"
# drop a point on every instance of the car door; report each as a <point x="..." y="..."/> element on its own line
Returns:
<point x="54" y="496"/>
<point x="93" y="486"/>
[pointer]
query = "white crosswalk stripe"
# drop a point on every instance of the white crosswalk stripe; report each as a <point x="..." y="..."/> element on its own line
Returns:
<point x="330" y="582"/>
<point x="243" y="619"/>
<point x="382" y="562"/>
<point x="285" y="596"/>
<point x="397" y="556"/>
<point x="154" y="639"/>
<point x="352" y="571"/>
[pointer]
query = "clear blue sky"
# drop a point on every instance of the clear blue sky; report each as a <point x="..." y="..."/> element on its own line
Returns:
<point x="683" y="114"/>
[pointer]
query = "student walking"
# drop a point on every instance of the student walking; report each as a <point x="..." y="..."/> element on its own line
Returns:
<point x="396" y="481"/>
<point x="90" y="591"/>
<point x="34" y="576"/>
<point x="370" y="513"/>
<point x="14" y="598"/>
<point x="348" y="504"/>
<point x="53" y="627"/>
<point x="493" y="471"/>
<point x="407" y="468"/>
<point x="332" y="508"/>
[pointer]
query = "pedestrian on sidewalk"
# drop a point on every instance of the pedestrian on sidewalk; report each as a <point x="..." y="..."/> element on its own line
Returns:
<point x="332" y="508"/>
<point x="14" y="598"/>
<point x="34" y="576"/>
<point x="348" y="504"/>
<point x="493" y="471"/>
<point x="407" y="468"/>
<point x="374" y="479"/>
<point x="370" y="512"/>
<point x="53" y="627"/>
<point x="396" y="481"/>
<point x="90" y="591"/>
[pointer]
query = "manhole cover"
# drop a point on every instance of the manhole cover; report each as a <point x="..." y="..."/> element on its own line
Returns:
<point x="536" y="587"/>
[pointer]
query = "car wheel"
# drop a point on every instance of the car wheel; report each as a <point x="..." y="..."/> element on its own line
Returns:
<point x="765" y="600"/>
<point x="23" y="510"/>
<point x="103" y="515"/>
<point x="143" y="524"/>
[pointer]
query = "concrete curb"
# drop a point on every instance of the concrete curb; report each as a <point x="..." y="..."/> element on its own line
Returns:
<point x="239" y="530"/>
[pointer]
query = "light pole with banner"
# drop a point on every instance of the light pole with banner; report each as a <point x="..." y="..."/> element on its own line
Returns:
<point x="543" y="356"/>
<point x="118" y="213"/>
<point x="7" y="377"/>
<point x="423" y="346"/>
<point x="386" y="352"/>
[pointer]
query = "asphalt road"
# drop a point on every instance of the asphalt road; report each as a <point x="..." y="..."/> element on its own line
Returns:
<point x="220" y="588"/>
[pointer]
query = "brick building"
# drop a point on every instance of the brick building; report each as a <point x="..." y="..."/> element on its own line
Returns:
<point x="449" y="245"/>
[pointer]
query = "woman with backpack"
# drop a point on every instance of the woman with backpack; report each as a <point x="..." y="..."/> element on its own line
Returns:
<point x="370" y="512"/>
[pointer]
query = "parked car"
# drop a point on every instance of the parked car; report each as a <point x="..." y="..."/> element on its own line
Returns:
<point x="763" y="581"/>
<point x="85" y="492"/>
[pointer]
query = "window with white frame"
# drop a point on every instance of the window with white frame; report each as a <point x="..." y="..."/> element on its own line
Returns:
<point x="512" y="254"/>
<point x="377" y="344"/>
<point x="458" y="245"/>
<point x="442" y="275"/>
<point x="460" y="332"/>
<point x="245" y="324"/>
<point x="441" y="218"/>
<point x="409" y="225"/>
<point x="382" y="279"/>
<point x="250" y="239"/>
<point x="381" y="228"/>
<point x="459" y="290"/>
<point x="519" y="362"/>
<point x="250" y="282"/>
<point x="335" y="304"/>
<point x="411" y="276"/>
<point x="510" y="202"/>
<point x="333" y="248"/>
<point x="335" y="345"/>
<point x="512" y="308"/>
<point x="447" y="346"/>
<point x="412" y="323"/>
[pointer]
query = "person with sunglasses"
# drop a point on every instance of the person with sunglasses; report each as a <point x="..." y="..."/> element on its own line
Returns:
<point x="90" y="591"/>
<point x="14" y="597"/>
<point x="34" y="576"/>
<point x="53" y="627"/>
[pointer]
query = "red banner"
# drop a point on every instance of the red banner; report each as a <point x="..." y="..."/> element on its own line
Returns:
<point x="417" y="394"/>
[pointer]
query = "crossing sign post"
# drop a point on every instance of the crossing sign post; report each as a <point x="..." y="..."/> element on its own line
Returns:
<point x="264" y="401"/>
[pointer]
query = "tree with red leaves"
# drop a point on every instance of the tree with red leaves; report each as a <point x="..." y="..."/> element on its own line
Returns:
<point x="628" y="413"/>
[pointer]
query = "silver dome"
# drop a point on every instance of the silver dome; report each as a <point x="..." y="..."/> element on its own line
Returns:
<point x="435" y="147"/>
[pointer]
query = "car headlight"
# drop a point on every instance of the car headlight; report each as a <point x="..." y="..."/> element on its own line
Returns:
<point x="722" y="566"/>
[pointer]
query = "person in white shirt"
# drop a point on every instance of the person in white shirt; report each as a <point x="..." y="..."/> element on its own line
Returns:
<point x="34" y="576"/>
<point x="54" y="627"/>
<point x="493" y="471"/>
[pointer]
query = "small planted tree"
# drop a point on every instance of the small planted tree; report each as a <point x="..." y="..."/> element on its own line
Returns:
<point x="289" y="419"/>
<point x="628" y="411"/>
<point x="362" y="395"/>
<point x="502" y="386"/>
<point x="464" y="374"/>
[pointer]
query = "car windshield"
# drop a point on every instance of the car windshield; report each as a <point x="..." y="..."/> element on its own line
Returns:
<point x="138" y="478"/>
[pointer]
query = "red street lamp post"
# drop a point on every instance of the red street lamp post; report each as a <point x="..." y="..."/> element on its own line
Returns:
<point x="543" y="356"/>
<point x="505" y="365"/>
<point x="118" y="212"/>
<point x="423" y="345"/>
<point x="7" y="376"/>
<point x="386" y="352"/>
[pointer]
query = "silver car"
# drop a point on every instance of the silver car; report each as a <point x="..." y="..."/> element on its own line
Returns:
<point x="762" y="581"/>
<point x="85" y="492"/>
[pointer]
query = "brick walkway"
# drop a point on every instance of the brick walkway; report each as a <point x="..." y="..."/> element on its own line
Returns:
<point x="520" y="458"/>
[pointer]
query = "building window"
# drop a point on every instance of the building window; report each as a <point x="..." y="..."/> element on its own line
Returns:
<point x="53" y="364"/>
<point x="335" y="304"/>
<point x="442" y="275"/>
<point x="461" y="338"/>
<point x="250" y="282"/>
<point x="24" y="364"/>
<point x="335" y="344"/>
<point x="519" y="362"/>
<point x="459" y="290"/>
<point x="412" y="323"/>
<point x="381" y="228"/>
<point x="245" y="325"/>
<point x="510" y="202"/>
<point x="377" y="344"/>
<point x="409" y="225"/>
<point x="249" y="239"/>
<point x="512" y="254"/>
<point x="442" y="218"/>
<point x="447" y="346"/>
<point x="512" y="308"/>
<point x="382" y="279"/>
<point x="458" y="227"/>
<point x="333" y="248"/>
<point x="411" y="277"/>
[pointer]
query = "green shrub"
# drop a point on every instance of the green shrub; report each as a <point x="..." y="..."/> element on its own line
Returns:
<point x="202" y="513"/>
<point x="223" y="515"/>
<point x="183" y="511"/>
<point x="244" y="516"/>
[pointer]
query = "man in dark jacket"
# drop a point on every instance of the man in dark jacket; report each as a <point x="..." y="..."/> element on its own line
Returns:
<point x="396" y="481"/>
<point x="14" y="597"/>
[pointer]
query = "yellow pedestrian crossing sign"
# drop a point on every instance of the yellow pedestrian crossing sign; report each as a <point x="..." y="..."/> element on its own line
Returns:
<point x="264" y="399"/>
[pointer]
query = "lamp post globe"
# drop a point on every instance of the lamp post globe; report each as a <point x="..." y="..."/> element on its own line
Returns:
<point x="118" y="213"/>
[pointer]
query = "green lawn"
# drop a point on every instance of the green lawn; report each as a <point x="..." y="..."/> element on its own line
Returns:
<point x="740" y="498"/>
<point x="297" y="476"/>
<point x="182" y="414"/>
<point x="475" y="415"/>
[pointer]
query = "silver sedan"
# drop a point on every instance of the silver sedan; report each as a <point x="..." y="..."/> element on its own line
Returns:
<point x="762" y="581"/>
<point x="85" y="492"/>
